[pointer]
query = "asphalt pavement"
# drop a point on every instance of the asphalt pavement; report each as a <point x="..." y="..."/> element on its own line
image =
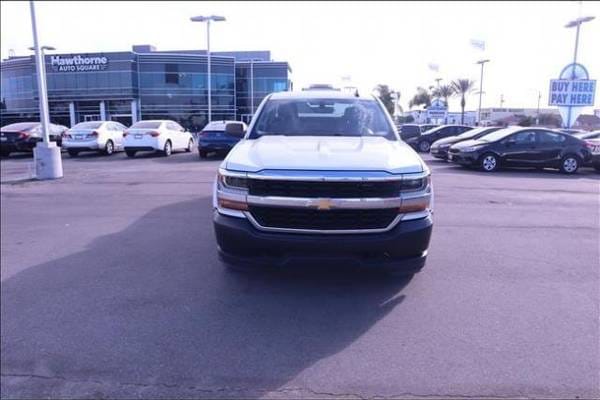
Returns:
<point x="111" y="288"/>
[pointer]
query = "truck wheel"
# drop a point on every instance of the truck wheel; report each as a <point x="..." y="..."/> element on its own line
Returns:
<point x="489" y="162"/>
<point x="109" y="148"/>
<point x="73" y="153"/>
<point x="569" y="164"/>
<point x="130" y="153"/>
<point x="424" y="146"/>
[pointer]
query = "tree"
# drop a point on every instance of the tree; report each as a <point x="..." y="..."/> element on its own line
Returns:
<point x="462" y="87"/>
<point x="423" y="97"/>
<point x="385" y="95"/>
<point x="445" y="92"/>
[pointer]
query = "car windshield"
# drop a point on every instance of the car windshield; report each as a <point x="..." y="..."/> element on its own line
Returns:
<point x="146" y="125"/>
<point x="499" y="134"/>
<point x="88" y="125"/>
<point x="322" y="117"/>
<point x="476" y="132"/>
<point x="20" y="126"/>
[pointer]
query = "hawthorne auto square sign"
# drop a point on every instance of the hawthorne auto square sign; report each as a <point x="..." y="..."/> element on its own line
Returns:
<point x="78" y="63"/>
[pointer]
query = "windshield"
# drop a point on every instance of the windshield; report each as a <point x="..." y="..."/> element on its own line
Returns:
<point x="499" y="134"/>
<point x="21" y="126"/>
<point x="474" y="133"/>
<point x="88" y="125"/>
<point x="146" y="125"/>
<point x="322" y="117"/>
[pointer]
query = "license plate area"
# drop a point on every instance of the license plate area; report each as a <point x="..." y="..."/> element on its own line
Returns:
<point x="138" y="136"/>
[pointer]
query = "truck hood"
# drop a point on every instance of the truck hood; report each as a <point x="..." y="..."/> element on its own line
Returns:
<point x="323" y="153"/>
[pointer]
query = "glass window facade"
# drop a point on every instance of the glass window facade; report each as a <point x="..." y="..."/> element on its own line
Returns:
<point x="130" y="86"/>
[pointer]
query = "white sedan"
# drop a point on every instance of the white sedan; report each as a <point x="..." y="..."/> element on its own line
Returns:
<point x="157" y="135"/>
<point x="101" y="136"/>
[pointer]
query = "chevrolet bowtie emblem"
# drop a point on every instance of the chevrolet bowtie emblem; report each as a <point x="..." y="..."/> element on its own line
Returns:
<point x="324" y="204"/>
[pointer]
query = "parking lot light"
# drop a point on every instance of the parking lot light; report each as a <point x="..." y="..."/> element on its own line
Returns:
<point x="208" y="19"/>
<point x="482" y="62"/>
<point x="576" y="23"/>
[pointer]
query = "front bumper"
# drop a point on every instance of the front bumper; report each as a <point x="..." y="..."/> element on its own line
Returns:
<point x="439" y="152"/>
<point x="215" y="146"/>
<point x="464" y="158"/>
<point x="401" y="249"/>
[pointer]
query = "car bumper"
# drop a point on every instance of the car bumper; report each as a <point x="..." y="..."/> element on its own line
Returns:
<point x="83" y="145"/>
<point x="464" y="158"/>
<point x="139" y="148"/>
<point x="207" y="146"/>
<point x="402" y="249"/>
<point x="18" y="146"/>
<point x="439" y="153"/>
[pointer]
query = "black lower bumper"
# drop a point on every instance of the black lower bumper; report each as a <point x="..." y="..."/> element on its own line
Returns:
<point x="439" y="153"/>
<point x="464" y="158"/>
<point x="402" y="249"/>
<point x="140" y="148"/>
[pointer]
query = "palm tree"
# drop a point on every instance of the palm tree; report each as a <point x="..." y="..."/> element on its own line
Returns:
<point x="461" y="88"/>
<point x="385" y="95"/>
<point x="445" y="92"/>
<point x="423" y="97"/>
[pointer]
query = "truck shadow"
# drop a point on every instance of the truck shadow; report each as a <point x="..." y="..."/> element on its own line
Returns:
<point x="153" y="305"/>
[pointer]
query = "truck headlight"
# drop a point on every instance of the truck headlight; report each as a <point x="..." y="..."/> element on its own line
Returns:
<point x="232" y="189"/>
<point x="416" y="193"/>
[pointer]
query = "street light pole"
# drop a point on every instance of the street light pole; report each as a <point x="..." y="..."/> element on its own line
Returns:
<point x="577" y="24"/>
<point x="482" y="62"/>
<point x="47" y="159"/>
<point x="537" y="119"/>
<point x="208" y="19"/>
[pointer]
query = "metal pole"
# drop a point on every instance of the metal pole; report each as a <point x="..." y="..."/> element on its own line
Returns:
<point x="209" y="80"/>
<point x="537" y="119"/>
<point x="252" y="87"/>
<point x="41" y="79"/>
<point x="569" y="123"/>
<point x="480" y="94"/>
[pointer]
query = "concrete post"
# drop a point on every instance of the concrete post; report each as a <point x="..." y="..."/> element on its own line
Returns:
<point x="72" y="116"/>
<point x="134" y="111"/>
<point x="102" y="111"/>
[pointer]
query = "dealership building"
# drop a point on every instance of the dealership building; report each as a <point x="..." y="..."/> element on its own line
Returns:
<point x="142" y="84"/>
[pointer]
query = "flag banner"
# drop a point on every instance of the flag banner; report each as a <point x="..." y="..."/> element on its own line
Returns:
<point x="434" y="67"/>
<point x="478" y="44"/>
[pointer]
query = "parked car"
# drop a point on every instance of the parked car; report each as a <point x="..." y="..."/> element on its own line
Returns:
<point x="99" y="136"/>
<point x="163" y="136"/>
<point x="424" y="142"/>
<point x="323" y="175"/>
<point x="408" y="131"/>
<point x="522" y="147"/>
<point x="439" y="148"/>
<point x="592" y="141"/>
<point x="23" y="136"/>
<point x="213" y="138"/>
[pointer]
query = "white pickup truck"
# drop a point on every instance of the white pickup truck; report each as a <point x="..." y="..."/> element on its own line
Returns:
<point x="323" y="176"/>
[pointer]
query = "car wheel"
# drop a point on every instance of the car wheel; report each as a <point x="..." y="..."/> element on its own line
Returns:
<point x="130" y="153"/>
<point x="202" y="153"/>
<point x="73" y="153"/>
<point x="109" y="148"/>
<point x="424" y="146"/>
<point x="168" y="149"/>
<point x="489" y="162"/>
<point x="569" y="164"/>
<point x="190" y="146"/>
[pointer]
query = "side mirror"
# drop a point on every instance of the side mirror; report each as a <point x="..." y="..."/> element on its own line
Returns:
<point x="235" y="129"/>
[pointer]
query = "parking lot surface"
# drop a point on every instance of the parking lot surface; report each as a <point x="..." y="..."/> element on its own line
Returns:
<point x="111" y="287"/>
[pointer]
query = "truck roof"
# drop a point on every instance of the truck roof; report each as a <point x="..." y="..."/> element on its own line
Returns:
<point x="320" y="94"/>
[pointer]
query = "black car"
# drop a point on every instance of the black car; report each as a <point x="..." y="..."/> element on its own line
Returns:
<point x="522" y="147"/>
<point x="592" y="141"/>
<point x="424" y="142"/>
<point x="439" y="148"/>
<point x="408" y="131"/>
<point x="23" y="136"/>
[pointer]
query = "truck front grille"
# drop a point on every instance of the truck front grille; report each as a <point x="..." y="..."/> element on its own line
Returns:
<point x="341" y="219"/>
<point x="268" y="187"/>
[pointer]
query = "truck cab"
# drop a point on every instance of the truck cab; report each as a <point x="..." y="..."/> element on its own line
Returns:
<point x="323" y="175"/>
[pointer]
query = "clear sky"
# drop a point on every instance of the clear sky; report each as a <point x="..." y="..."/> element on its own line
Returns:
<point x="372" y="42"/>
